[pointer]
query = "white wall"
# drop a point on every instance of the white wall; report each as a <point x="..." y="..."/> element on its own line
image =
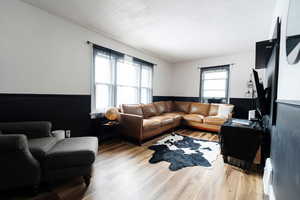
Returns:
<point x="44" y="54"/>
<point x="186" y="76"/>
<point x="288" y="78"/>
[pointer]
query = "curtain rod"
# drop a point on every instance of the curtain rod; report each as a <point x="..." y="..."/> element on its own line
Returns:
<point x="231" y="64"/>
<point x="89" y="42"/>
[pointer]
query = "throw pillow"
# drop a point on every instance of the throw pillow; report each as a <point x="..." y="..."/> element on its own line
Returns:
<point x="225" y="110"/>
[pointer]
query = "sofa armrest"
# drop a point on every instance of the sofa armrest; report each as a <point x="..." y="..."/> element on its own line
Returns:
<point x="33" y="129"/>
<point x="131" y="126"/>
<point x="18" y="167"/>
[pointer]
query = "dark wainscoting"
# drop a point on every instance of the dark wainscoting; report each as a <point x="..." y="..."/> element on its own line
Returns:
<point x="285" y="148"/>
<point x="162" y="98"/>
<point x="242" y="105"/>
<point x="64" y="111"/>
<point x="174" y="98"/>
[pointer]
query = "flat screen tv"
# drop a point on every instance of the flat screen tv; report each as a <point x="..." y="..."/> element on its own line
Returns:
<point x="261" y="100"/>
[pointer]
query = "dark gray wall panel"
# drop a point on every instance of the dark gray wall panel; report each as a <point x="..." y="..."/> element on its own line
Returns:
<point x="64" y="111"/>
<point x="285" y="152"/>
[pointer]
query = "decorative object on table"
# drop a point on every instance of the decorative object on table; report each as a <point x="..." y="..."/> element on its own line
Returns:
<point x="68" y="133"/>
<point x="252" y="115"/>
<point x="183" y="151"/>
<point x="59" y="134"/>
<point x="108" y="127"/>
<point x="250" y="93"/>
<point x="112" y="114"/>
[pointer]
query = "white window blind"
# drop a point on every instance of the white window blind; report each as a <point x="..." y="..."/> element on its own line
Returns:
<point x="214" y="83"/>
<point x="119" y="81"/>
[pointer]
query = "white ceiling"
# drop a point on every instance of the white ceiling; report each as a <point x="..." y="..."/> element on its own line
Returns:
<point x="175" y="30"/>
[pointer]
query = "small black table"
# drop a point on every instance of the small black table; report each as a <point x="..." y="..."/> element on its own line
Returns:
<point x="106" y="130"/>
<point x="241" y="141"/>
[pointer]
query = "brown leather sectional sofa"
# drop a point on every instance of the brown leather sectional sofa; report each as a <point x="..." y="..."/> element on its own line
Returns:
<point x="144" y="121"/>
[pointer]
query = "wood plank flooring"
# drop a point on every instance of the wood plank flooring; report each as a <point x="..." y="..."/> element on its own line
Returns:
<point x="122" y="171"/>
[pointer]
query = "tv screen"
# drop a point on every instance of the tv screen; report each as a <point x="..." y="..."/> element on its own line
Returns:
<point x="261" y="99"/>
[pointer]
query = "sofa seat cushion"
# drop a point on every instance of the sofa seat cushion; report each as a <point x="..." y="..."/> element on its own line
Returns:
<point x="150" y="124"/>
<point x="72" y="152"/>
<point x="214" y="120"/>
<point x="164" y="120"/>
<point x="174" y="114"/>
<point x="40" y="146"/>
<point x="193" y="117"/>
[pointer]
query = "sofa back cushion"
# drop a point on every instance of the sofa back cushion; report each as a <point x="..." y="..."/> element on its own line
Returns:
<point x="182" y="106"/>
<point x="170" y="106"/>
<point x="199" y="108"/>
<point x="134" y="109"/>
<point x="161" y="107"/>
<point x="213" y="110"/>
<point x="149" y="110"/>
<point x="32" y="129"/>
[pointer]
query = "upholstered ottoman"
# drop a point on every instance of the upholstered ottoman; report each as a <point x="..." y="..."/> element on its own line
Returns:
<point x="71" y="157"/>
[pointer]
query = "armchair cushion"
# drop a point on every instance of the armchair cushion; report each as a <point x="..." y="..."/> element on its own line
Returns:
<point x="72" y="152"/>
<point x="30" y="129"/>
<point x="40" y="146"/>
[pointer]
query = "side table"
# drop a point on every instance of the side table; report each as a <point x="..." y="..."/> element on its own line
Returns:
<point x="106" y="130"/>
<point x="241" y="141"/>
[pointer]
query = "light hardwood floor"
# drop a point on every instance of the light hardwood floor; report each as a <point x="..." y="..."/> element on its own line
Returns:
<point x="122" y="171"/>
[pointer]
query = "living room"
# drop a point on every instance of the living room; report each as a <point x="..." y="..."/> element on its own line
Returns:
<point x="149" y="100"/>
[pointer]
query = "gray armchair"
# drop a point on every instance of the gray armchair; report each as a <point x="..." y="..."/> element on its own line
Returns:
<point x="29" y="155"/>
<point x="18" y="167"/>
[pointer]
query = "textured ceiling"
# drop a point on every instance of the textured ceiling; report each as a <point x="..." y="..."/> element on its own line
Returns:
<point x="175" y="30"/>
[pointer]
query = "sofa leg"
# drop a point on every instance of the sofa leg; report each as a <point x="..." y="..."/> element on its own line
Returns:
<point x="87" y="180"/>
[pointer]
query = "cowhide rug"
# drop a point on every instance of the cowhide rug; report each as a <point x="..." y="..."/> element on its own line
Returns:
<point x="183" y="151"/>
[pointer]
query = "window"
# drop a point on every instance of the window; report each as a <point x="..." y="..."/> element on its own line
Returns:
<point x="214" y="84"/>
<point x="119" y="79"/>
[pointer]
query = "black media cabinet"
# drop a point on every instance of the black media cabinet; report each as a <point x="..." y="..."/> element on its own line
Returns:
<point x="241" y="141"/>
